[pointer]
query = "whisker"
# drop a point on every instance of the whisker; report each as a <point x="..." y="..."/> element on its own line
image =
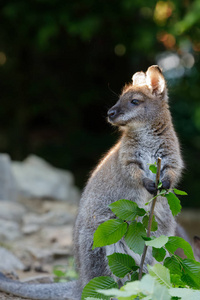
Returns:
<point x="112" y="91"/>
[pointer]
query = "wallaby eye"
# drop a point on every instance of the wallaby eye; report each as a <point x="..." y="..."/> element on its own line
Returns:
<point x="135" y="102"/>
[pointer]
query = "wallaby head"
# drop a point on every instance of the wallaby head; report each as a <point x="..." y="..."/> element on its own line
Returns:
<point x="141" y="100"/>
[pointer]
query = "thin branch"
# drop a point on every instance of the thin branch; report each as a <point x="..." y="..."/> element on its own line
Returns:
<point x="150" y="217"/>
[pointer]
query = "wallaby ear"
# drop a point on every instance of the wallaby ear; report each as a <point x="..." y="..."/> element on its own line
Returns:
<point x="139" y="78"/>
<point x="196" y="247"/>
<point x="155" y="80"/>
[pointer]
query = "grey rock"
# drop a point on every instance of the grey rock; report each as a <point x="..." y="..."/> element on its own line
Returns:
<point x="9" y="262"/>
<point x="56" y="218"/>
<point x="30" y="228"/>
<point x="9" y="230"/>
<point x="62" y="235"/>
<point x="59" y="206"/>
<point x="12" y="211"/>
<point x="36" y="178"/>
<point x="8" y="185"/>
<point x="44" y="255"/>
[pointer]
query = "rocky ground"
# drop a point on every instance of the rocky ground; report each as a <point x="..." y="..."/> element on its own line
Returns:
<point x="38" y="206"/>
<point x="4" y="296"/>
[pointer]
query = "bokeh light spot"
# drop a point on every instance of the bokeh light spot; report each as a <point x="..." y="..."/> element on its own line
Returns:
<point x="120" y="49"/>
<point x="2" y="58"/>
<point x="188" y="60"/>
<point x="196" y="46"/>
<point x="163" y="11"/>
<point x="167" y="39"/>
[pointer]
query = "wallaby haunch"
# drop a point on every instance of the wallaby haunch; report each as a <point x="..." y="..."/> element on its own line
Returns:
<point x="142" y="114"/>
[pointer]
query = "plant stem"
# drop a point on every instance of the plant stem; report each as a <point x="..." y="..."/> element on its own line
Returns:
<point x="150" y="217"/>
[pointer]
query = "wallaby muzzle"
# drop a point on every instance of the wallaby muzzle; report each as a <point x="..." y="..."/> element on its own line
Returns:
<point x="113" y="113"/>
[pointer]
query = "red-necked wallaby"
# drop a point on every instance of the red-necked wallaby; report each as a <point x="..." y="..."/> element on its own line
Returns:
<point x="142" y="114"/>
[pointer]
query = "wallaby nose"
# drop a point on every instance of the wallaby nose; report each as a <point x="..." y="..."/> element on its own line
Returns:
<point x="112" y="113"/>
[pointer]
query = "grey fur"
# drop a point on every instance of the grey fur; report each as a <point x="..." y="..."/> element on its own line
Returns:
<point x="55" y="291"/>
<point x="147" y="133"/>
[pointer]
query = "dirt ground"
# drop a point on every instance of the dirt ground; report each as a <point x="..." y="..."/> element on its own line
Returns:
<point x="4" y="296"/>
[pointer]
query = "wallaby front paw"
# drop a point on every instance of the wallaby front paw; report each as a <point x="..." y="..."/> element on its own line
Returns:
<point x="149" y="185"/>
<point x="166" y="184"/>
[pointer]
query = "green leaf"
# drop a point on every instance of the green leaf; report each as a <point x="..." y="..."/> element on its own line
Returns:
<point x="174" y="203"/>
<point x="59" y="273"/>
<point x="158" y="253"/>
<point x="133" y="237"/>
<point x="154" y="291"/>
<point x="157" y="242"/>
<point x="184" y="293"/>
<point x="109" y="233"/>
<point x="148" y="288"/>
<point x="176" y="242"/>
<point x="153" y="168"/>
<point x="121" y="264"/>
<point x="161" y="274"/>
<point x="145" y="238"/>
<point x="130" y="289"/>
<point x="92" y="298"/>
<point x="159" y="185"/>
<point x="178" y="192"/>
<point x="177" y="281"/>
<point x="162" y="193"/>
<point x="154" y="225"/>
<point x="173" y="263"/>
<point x="160" y="293"/>
<point x="126" y="209"/>
<point x="103" y="282"/>
<point x="134" y="276"/>
<point x="191" y="269"/>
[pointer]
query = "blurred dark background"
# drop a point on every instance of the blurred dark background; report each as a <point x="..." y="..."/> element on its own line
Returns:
<point x="63" y="63"/>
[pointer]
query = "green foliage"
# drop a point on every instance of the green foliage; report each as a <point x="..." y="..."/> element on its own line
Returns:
<point x="153" y="168"/>
<point x="177" y="281"/>
<point x="154" y="225"/>
<point x="178" y="192"/>
<point x="121" y="264"/>
<point x="173" y="263"/>
<point x="191" y="274"/>
<point x="157" y="242"/>
<point x="185" y="294"/>
<point x="175" y="278"/>
<point x="133" y="237"/>
<point x="161" y="193"/>
<point x="156" y="285"/>
<point x="126" y="210"/>
<point x="174" y="203"/>
<point x="134" y="276"/>
<point x="161" y="274"/>
<point x="109" y="232"/>
<point x="159" y="253"/>
<point x="103" y="282"/>
<point x="64" y="273"/>
<point x="176" y="242"/>
<point x="92" y="298"/>
<point x="147" y="288"/>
